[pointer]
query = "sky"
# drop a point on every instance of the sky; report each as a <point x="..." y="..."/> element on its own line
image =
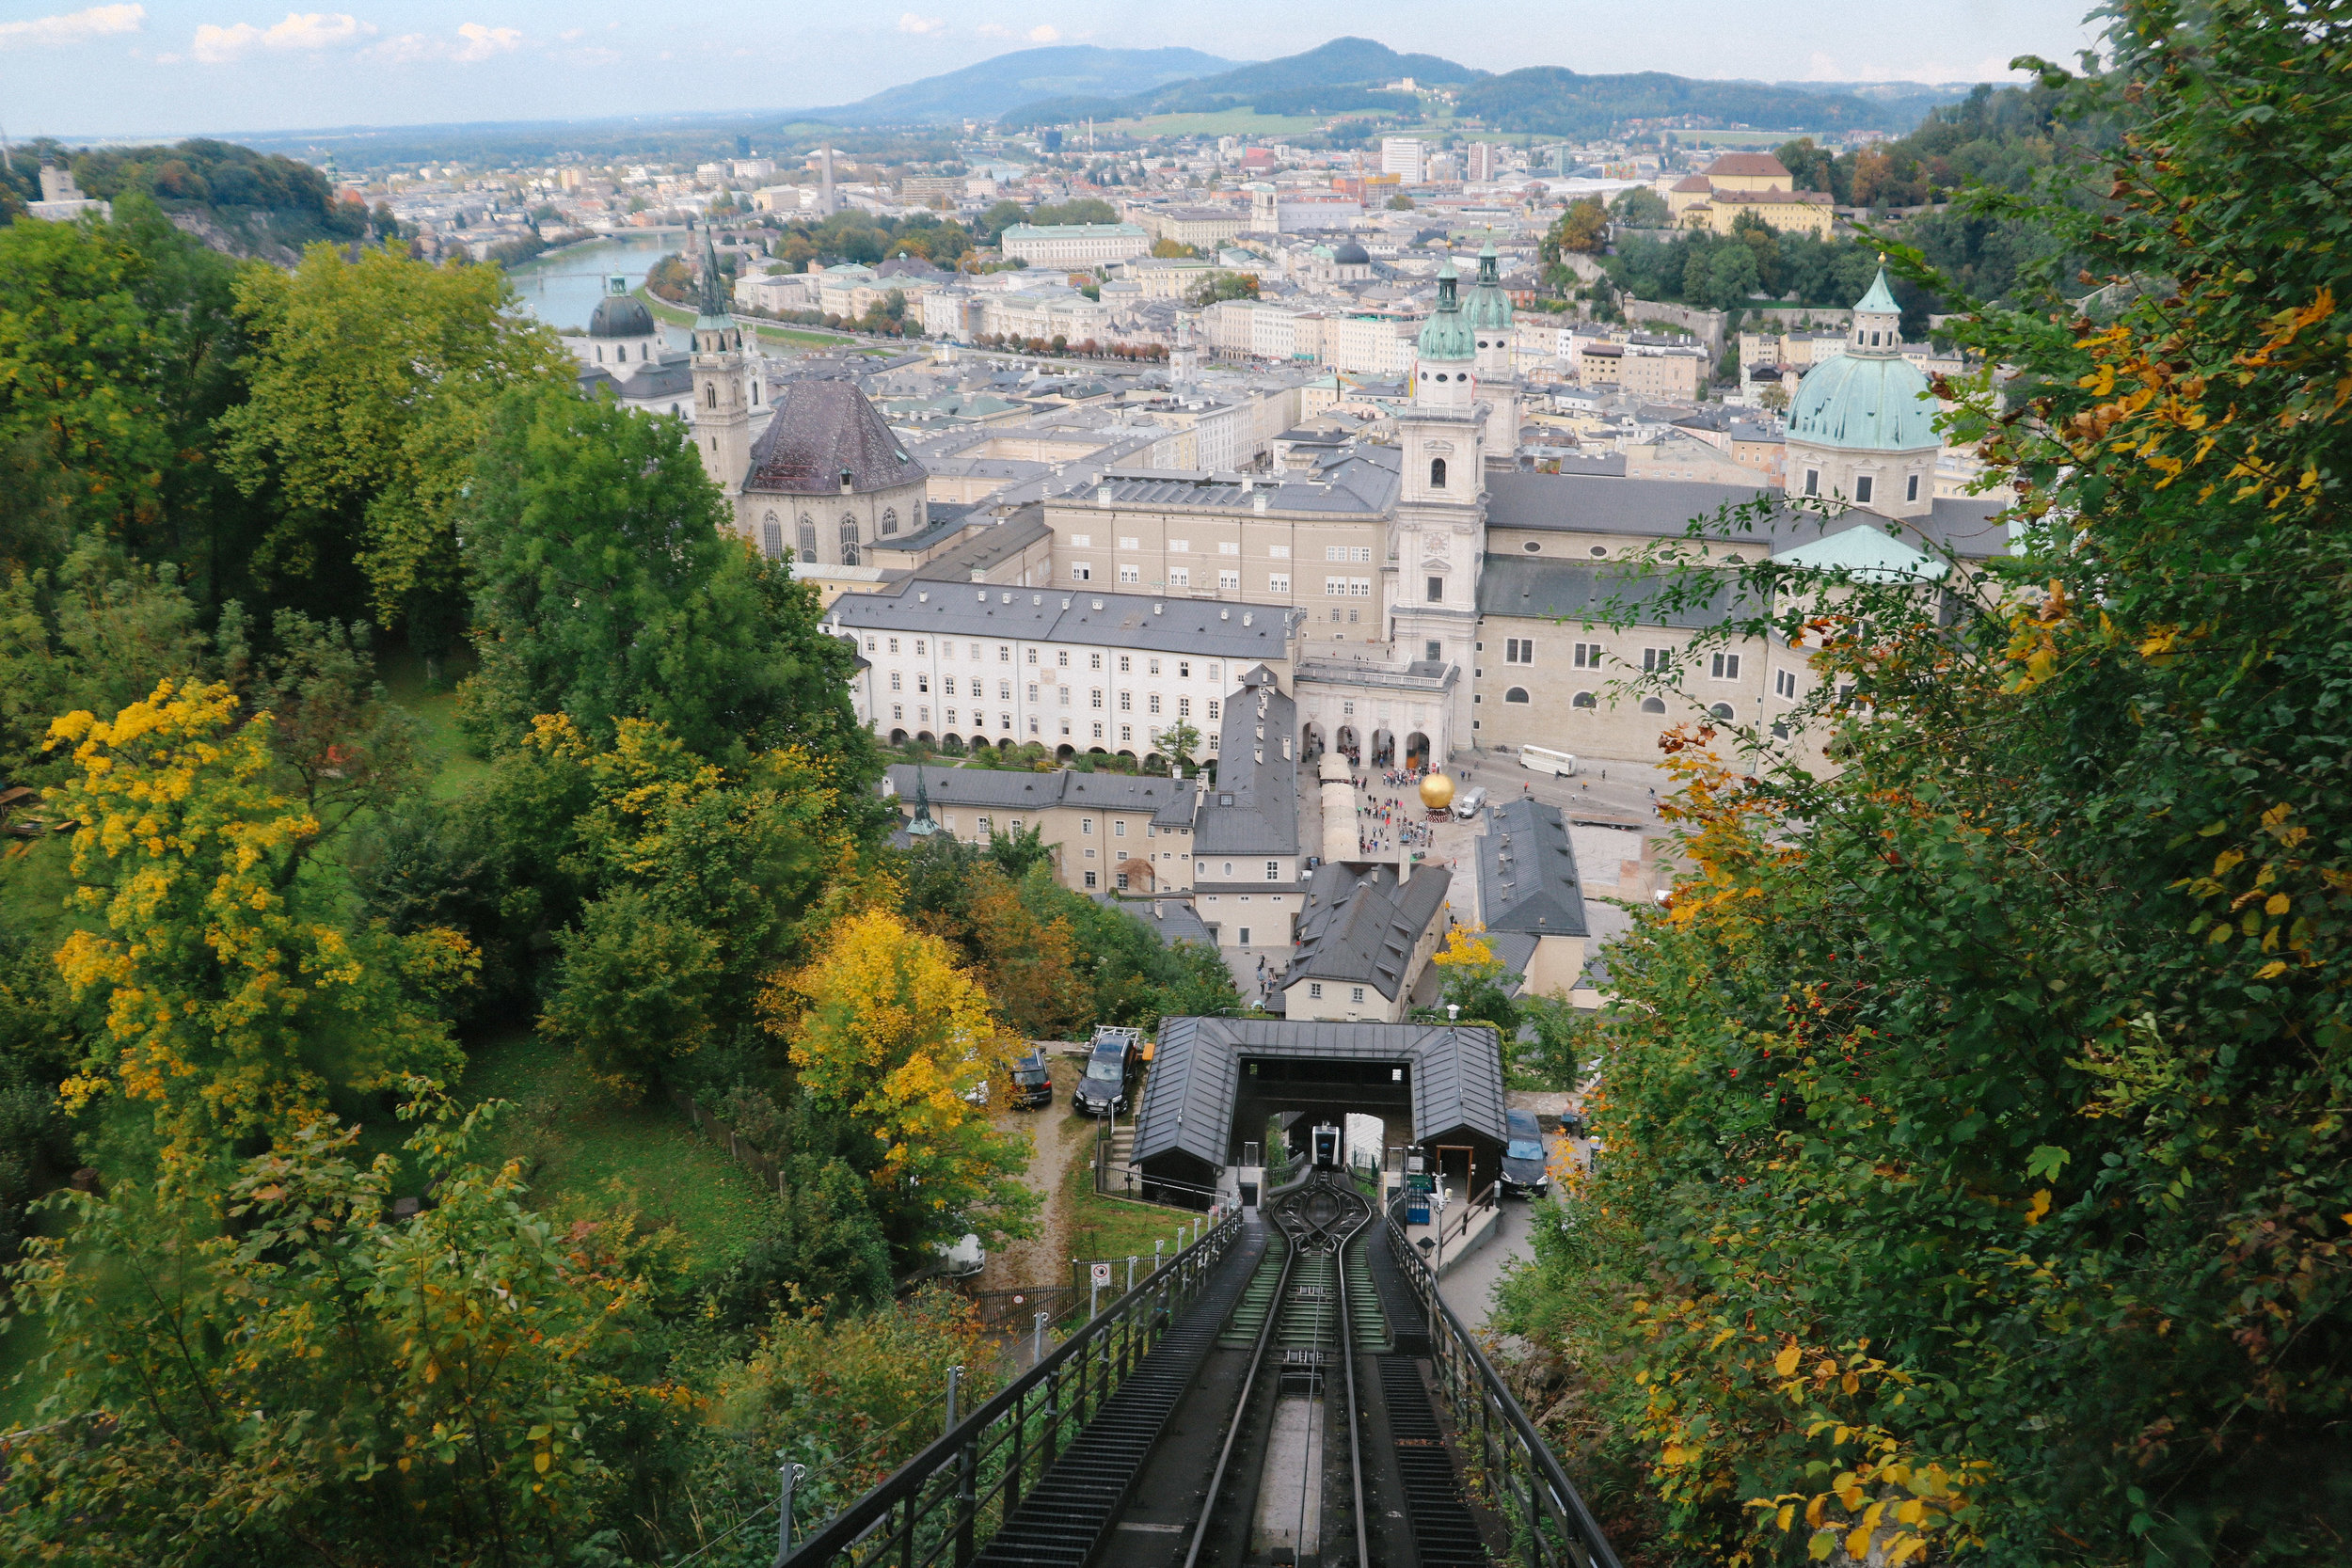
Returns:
<point x="165" y="67"/>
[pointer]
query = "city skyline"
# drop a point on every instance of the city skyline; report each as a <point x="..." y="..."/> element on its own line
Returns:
<point x="170" y="68"/>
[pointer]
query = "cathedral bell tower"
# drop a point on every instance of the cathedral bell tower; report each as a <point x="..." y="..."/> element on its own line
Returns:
<point x="1437" y="543"/>
<point x="1490" y="319"/>
<point x="723" y="415"/>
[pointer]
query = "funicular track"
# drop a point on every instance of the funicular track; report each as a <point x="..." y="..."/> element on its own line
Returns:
<point x="1307" y="1402"/>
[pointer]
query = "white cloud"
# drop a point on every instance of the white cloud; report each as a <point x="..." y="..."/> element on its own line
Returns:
<point x="910" y="22"/>
<point x="474" y="42"/>
<point x="307" y="31"/>
<point x="990" y="30"/>
<point x="72" y="27"/>
<point x="481" y="42"/>
<point x="570" y="34"/>
<point x="1046" y="33"/>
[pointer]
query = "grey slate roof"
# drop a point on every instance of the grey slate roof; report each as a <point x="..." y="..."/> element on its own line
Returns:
<point x="1201" y="628"/>
<point x="1361" y="924"/>
<point x="1455" y="1073"/>
<point x="1663" y="509"/>
<point x="1254" y="808"/>
<point x="1527" y="879"/>
<point x="1001" y="789"/>
<point x="983" y="550"/>
<point x="819" y="429"/>
<point x="1173" y="920"/>
<point x="1579" y="590"/>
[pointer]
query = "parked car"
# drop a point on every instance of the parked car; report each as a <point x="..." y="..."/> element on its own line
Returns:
<point x="1525" y="1170"/>
<point x="1468" y="806"/>
<point x="1032" y="1082"/>
<point x="1113" y="1066"/>
<point x="961" y="1259"/>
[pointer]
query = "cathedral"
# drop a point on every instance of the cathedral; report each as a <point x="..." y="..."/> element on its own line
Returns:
<point x="825" y="478"/>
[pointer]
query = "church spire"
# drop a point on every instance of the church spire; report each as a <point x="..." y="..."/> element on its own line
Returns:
<point x="714" y="300"/>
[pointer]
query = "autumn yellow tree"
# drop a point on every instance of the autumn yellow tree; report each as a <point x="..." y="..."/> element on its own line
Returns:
<point x="233" y="1004"/>
<point x="888" y="1034"/>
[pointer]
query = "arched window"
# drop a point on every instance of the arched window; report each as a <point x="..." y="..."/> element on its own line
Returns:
<point x="1517" y="694"/>
<point x="890" y="520"/>
<point x="849" y="541"/>
<point x="1584" y="698"/>
<point x="1721" y="710"/>
<point x="754" y="394"/>
<point x="772" y="538"/>
<point x="599" y="354"/>
<point x="1653" y="704"/>
<point x="710" y="394"/>
<point x="1437" y="473"/>
<point x="919" y="516"/>
<point x="809" y="538"/>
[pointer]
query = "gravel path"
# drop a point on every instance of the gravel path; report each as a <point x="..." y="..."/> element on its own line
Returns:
<point x="1060" y="1137"/>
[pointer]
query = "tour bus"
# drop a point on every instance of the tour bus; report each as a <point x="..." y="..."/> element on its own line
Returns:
<point x="1537" y="759"/>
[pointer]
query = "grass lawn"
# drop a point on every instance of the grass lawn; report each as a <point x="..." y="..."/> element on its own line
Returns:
<point x="433" y="704"/>
<point x="586" y="1150"/>
<point x="669" y="312"/>
<point x="1111" y="1228"/>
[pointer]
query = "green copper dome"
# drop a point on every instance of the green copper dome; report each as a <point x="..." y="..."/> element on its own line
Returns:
<point x="1880" y="300"/>
<point x="1447" y="335"/>
<point x="1489" y="306"/>
<point x="1863" y="403"/>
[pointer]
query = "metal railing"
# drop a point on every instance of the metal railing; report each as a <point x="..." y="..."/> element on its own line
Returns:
<point x="948" y="1501"/>
<point x="1512" y="1469"/>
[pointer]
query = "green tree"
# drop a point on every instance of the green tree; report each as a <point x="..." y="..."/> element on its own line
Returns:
<point x="1179" y="740"/>
<point x="328" y="1383"/>
<point x="1400" y="202"/>
<point x="1224" y="285"/>
<point x="1972" y="1148"/>
<point x="610" y="584"/>
<point x="1166" y="250"/>
<point x="118" y="350"/>
<point x="371" y="381"/>
<point x="1640" y="208"/>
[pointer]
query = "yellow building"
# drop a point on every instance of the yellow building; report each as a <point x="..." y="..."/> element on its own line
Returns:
<point x="1755" y="182"/>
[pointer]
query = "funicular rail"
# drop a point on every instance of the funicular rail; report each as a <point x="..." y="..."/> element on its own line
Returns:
<point x="950" y="1501"/>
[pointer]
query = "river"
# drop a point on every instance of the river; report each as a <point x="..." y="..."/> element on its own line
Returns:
<point x="562" y="290"/>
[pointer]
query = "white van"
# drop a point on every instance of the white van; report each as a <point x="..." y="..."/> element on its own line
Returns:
<point x="1537" y="759"/>
<point x="1467" y="808"/>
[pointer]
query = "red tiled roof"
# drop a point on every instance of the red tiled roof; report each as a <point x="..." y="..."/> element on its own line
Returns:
<point x="1732" y="165"/>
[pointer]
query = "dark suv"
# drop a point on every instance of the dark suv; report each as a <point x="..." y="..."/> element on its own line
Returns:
<point x="1112" y="1068"/>
<point x="1524" y="1168"/>
<point x="1032" y="1082"/>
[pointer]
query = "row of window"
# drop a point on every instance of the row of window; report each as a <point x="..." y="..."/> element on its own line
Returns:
<point x="1210" y="670"/>
<point x="1864" y="486"/>
<point x="772" y="535"/>
<point x="1226" y="546"/>
<point x="1004" y="722"/>
<point x="1589" y="700"/>
<point x="1354" y="993"/>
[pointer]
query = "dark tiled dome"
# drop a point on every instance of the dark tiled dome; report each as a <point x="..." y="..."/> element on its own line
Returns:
<point x="1350" y="255"/>
<point x="620" y="316"/>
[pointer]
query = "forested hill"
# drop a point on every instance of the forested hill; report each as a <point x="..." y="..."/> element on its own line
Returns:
<point x="1344" y="74"/>
<point x="1550" y="101"/>
<point x="236" y="199"/>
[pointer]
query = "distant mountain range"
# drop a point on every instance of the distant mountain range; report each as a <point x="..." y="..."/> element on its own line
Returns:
<point x="993" y="86"/>
<point x="1061" y="87"/>
<point x="1345" y="73"/>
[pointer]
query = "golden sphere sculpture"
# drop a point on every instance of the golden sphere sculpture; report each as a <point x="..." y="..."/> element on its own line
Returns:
<point x="1436" y="792"/>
